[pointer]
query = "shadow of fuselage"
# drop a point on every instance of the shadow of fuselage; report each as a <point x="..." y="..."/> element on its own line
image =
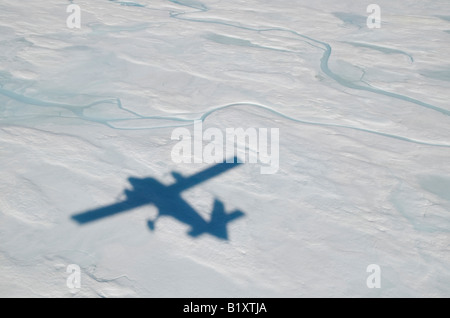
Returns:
<point x="168" y="200"/>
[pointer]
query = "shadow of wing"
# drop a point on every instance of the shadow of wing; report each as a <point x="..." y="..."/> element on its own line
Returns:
<point x="96" y="214"/>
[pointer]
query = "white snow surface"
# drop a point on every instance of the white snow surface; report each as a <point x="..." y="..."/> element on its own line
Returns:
<point x="364" y="119"/>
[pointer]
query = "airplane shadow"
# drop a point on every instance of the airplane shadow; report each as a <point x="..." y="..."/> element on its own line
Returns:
<point x="168" y="200"/>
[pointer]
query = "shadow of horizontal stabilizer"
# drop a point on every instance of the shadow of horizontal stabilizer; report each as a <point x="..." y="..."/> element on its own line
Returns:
<point x="169" y="202"/>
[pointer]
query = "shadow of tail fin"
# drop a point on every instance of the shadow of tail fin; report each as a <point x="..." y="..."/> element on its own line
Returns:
<point x="219" y="220"/>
